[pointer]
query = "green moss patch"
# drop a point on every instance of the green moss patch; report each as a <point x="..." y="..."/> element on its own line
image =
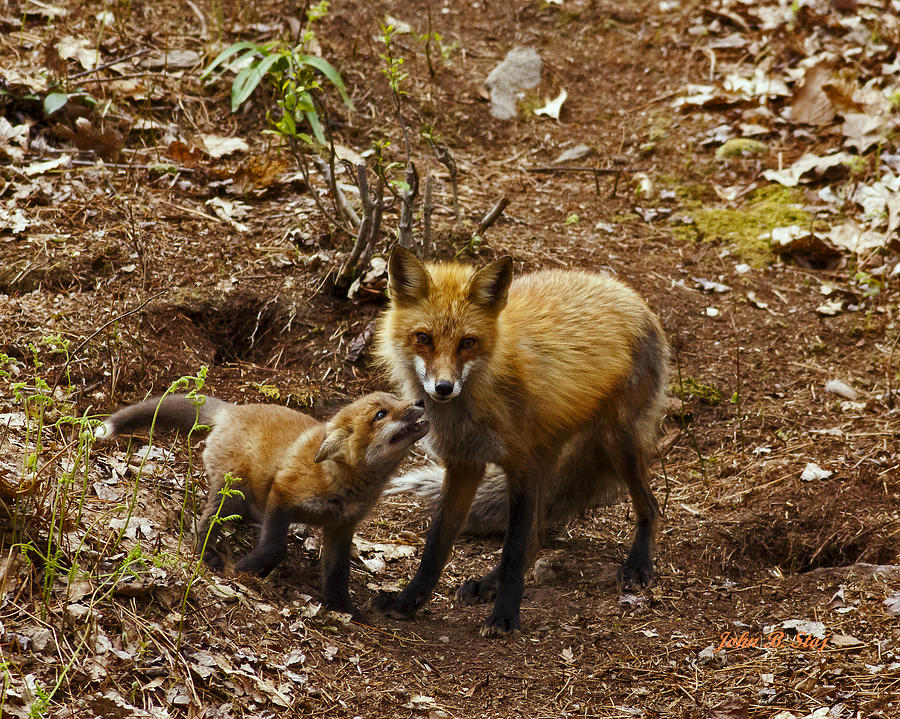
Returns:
<point x="691" y="388"/>
<point x="745" y="228"/>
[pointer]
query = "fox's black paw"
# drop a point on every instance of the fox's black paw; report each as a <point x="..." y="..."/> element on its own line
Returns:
<point x="214" y="561"/>
<point x="500" y="624"/>
<point x="253" y="565"/>
<point x="635" y="574"/>
<point x="393" y="605"/>
<point x="477" y="591"/>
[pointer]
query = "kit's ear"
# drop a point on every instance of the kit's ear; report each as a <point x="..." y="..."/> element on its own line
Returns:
<point x="333" y="445"/>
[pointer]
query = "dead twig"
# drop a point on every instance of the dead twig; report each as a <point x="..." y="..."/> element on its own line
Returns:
<point x="491" y="217"/>
<point x="110" y="64"/>
<point x="890" y="376"/>
<point x="427" y="211"/>
<point x="369" y="228"/>
<point x="407" y="206"/>
<point x="341" y="208"/>
<point x="585" y="168"/>
<point x="375" y="231"/>
<point x="446" y="159"/>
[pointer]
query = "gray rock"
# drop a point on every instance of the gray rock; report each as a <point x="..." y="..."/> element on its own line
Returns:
<point x="520" y="70"/>
<point x="841" y="389"/>
<point x="579" y="152"/>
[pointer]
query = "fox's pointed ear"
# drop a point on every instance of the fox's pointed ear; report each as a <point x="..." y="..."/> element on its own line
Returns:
<point x="333" y="445"/>
<point x="408" y="280"/>
<point x="490" y="285"/>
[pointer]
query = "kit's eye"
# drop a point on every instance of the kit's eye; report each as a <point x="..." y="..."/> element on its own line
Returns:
<point x="423" y="338"/>
<point x="381" y="414"/>
<point x="467" y="343"/>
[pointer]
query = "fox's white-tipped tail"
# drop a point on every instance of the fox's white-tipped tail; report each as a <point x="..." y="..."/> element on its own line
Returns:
<point x="424" y="482"/>
<point x="573" y="488"/>
<point x="103" y="431"/>
<point x="488" y="513"/>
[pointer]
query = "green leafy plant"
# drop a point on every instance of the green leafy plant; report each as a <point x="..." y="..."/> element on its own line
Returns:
<point x="294" y="73"/>
<point x="433" y="40"/>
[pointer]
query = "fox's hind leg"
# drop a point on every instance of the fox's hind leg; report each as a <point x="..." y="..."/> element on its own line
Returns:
<point x="208" y="530"/>
<point x="629" y="459"/>
<point x="221" y="506"/>
<point x="630" y="439"/>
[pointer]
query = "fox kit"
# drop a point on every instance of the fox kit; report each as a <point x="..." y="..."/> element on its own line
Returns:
<point x="292" y="469"/>
<point x="557" y="377"/>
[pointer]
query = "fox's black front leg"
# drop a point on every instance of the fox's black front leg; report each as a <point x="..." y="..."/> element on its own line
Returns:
<point x="460" y="483"/>
<point x="337" y="543"/>
<point x="272" y="545"/>
<point x="523" y="499"/>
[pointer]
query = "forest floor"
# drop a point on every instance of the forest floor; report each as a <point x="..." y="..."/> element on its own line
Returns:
<point x="136" y="248"/>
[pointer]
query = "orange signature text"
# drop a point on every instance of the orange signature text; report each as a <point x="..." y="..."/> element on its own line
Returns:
<point x="775" y="640"/>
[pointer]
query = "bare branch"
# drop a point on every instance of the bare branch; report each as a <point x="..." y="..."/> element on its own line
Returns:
<point x="427" y="211"/>
<point x="304" y="170"/>
<point x="375" y="229"/>
<point x="572" y="168"/>
<point x="408" y="200"/>
<point x="446" y="159"/>
<point x="365" y="226"/>
<point x="491" y="217"/>
<point x="341" y="206"/>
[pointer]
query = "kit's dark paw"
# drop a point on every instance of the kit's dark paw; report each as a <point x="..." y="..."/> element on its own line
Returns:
<point x="392" y="605"/>
<point x="477" y="591"/>
<point x="214" y="561"/>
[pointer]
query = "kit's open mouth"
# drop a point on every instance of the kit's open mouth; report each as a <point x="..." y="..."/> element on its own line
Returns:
<point x="412" y="432"/>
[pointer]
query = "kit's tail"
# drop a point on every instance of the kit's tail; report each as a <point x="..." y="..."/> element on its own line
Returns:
<point x="174" y="411"/>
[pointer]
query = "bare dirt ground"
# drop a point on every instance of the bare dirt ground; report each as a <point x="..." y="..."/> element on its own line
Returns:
<point x="120" y="251"/>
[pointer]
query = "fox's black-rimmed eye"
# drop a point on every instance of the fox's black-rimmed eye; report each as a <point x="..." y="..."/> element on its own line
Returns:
<point x="423" y="338"/>
<point x="467" y="343"/>
<point x="381" y="414"/>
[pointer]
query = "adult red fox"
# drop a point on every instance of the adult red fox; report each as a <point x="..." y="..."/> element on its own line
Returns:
<point x="558" y="377"/>
<point x="291" y="469"/>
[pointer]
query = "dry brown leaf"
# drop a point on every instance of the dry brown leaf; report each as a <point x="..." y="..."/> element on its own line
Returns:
<point x="259" y="173"/>
<point x="220" y="146"/>
<point x="862" y="131"/>
<point x="840" y="92"/>
<point x="811" y="105"/>
<point x="80" y="49"/>
<point x="106" y="143"/>
<point x="184" y="155"/>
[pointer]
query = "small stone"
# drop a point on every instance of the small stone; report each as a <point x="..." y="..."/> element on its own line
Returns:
<point x="813" y="471"/>
<point x="520" y="70"/>
<point x="841" y="389"/>
<point x="579" y="152"/>
<point x="544" y="573"/>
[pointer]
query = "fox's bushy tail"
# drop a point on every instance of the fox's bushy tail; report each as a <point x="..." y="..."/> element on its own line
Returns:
<point x="569" y="494"/>
<point x="174" y="411"/>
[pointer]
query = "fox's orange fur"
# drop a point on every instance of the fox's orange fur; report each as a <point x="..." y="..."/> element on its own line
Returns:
<point x="292" y="468"/>
<point x="558" y="377"/>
